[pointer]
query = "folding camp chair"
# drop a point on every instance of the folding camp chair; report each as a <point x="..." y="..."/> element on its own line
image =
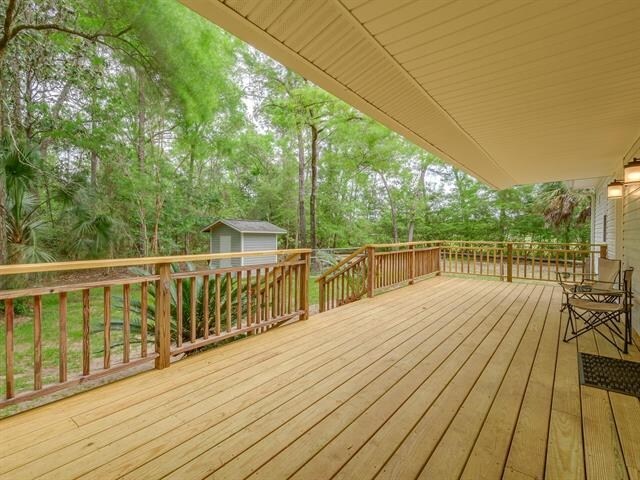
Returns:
<point x="607" y="278"/>
<point x="597" y="309"/>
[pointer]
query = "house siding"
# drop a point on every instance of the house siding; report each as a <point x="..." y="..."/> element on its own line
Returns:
<point x="631" y="242"/>
<point x="255" y="242"/>
<point x="609" y="211"/>
<point x="623" y="230"/>
<point x="236" y="246"/>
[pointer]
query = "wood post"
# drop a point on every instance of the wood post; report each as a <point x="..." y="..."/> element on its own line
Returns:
<point x="304" y="285"/>
<point x="509" y="262"/>
<point x="163" y="314"/>
<point x="371" y="265"/>
<point x="412" y="265"/>
<point x="603" y="251"/>
<point x="438" y="253"/>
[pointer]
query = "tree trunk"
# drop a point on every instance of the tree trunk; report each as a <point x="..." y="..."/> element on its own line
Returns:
<point x="140" y="152"/>
<point x="313" y="200"/>
<point x="392" y="207"/>
<point x="302" y="218"/>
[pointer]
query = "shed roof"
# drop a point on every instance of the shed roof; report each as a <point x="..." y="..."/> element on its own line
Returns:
<point x="247" y="226"/>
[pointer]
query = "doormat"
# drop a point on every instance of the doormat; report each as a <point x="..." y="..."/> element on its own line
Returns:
<point x="612" y="374"/>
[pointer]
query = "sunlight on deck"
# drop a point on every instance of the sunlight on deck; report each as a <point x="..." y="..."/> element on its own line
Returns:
<point x="447" y="378"/>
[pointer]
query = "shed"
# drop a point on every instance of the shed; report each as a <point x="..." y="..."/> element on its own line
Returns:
<point x="243" y="236"/>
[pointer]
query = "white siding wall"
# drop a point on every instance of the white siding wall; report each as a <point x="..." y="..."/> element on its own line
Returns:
<point x="609" y="211"/>
<point x="631" y="229"/>
<point x="255" y="242"/>
<point x="625" y="242"/>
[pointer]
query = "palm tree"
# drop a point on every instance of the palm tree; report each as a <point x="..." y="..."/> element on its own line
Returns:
<point x="566" y="210"/>
<point x="20" y="165"/>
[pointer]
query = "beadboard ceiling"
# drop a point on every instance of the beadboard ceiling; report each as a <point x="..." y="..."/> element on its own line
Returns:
<point x="511" y="91"/>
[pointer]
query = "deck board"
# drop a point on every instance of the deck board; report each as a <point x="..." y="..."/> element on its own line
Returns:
<point x="448" y="378"/>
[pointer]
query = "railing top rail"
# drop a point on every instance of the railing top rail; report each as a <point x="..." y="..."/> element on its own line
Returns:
<point x="402" y="244"/>
<point x="521" y="242"/>
<point x="131" y="262"/>
<point x="342" y="262"/>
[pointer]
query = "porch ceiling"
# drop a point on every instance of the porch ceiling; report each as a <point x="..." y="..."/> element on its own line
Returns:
<point x="511" y="91"/>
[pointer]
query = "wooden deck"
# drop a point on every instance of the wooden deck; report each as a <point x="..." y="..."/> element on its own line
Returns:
<point x="447" y="378"/>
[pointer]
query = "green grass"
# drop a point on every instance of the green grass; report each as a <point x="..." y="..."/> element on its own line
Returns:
<point x="23" y="338"/>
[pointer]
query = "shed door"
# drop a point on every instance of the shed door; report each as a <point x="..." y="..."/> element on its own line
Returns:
<point x="225" y="247"/>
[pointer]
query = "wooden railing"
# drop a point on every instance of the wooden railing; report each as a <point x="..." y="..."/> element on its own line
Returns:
<point x="105" y="326"/>
<point x="375" y="267"/>
<point x="521" y="260"/>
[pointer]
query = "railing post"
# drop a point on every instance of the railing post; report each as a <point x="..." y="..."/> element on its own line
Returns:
<point x="304" y="287"/>
<point x="412" y="265"/>
<point x="163" y="316"/>
<point x="509" y="262"/>
<point x="603" y="251"/>
<point x="371" y="254"/>
<point x="321" y="287"/>
<point x="438" y="260"/>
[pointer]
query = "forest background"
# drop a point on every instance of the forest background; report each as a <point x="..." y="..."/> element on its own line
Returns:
<point x="127" y="126"/>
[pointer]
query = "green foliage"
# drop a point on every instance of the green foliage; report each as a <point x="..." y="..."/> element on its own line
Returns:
<point x="128" y="136"/>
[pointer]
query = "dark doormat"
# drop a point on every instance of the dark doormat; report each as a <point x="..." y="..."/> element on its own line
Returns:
<point x="612" y="374"/>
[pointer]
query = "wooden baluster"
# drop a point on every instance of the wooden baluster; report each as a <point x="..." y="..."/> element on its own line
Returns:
<point x="283" y="292"/>
<point x="249" y="300"/>
<point x="296" y="287"/>
<point x="573" y="266"/>
<point x="349" y="275"/>
<point x="218" y="319"/>
<point x="474" y="260"/>
<point x="509" y="262"/>
<point x="275" y="292"/>
<point x="37" y="342"/>
<point x="304" y="279"/>
<point x="321" y="300"/>
<point x="126" y="322"/>
<point x="333" y="292"/>
<point x="258" y="298"/>
<point x="144" y="299"/>
<point x="290" y="283"/>
<point x="193" y="302"/>
<point x="205" y="306"/>
<point x="281" y="289"/>
<point x="107" y="327"/>
<point x="229" y="301"/>
<point x="541" y="276"/>
<point x="565" y="261"/>
<point x="8" y="343"/>
<point x="62" y="337"/>
<point x="179" y="312"/>
<point x="239" y="300"/>
<point x="267" y="292"/>
<point x="86" y="339"/>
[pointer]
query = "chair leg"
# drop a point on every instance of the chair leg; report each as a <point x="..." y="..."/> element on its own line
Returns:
<point x="566" y="328"/>
<point x="627" y="332"/>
